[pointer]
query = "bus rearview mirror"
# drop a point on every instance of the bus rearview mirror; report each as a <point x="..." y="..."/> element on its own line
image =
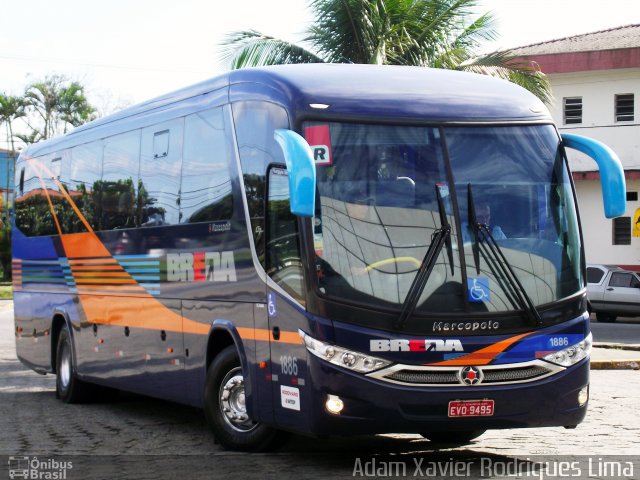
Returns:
<point x="301" y="170"/>
<point x="614" y="190"/>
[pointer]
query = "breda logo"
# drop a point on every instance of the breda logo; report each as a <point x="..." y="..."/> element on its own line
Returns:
<point x="405" y="345"/>
<point x="201" y="267"/>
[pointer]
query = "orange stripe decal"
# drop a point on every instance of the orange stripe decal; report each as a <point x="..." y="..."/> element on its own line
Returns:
<point x="138" y="312"/>
<point x="484" y="356"/>
<point x="290" y="337"/>
<point x="100" y="274"/>
<point x="80" y="269"/>
<point x="79" y="246"/>
<point x="106" y="281"/>
<point x="264" y="335"/>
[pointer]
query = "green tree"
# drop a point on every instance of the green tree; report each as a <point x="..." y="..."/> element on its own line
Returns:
<point x="33" y="136"/>
<point x="56" y="103"/>
<point x="428" y="33"/>
<point x="11" y="108"/>
<point x="73" y="106"/>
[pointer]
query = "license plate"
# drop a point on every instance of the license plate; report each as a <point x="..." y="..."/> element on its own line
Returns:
<point x="471" y="408"/>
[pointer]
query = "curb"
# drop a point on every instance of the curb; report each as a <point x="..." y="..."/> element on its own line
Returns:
<point x="618" y="346"/>
<point x="615" y="365"/>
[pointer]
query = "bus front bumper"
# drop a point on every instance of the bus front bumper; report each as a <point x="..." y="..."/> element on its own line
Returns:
<point x="375" y="406"/>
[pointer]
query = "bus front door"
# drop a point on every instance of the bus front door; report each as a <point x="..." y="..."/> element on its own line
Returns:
<point x="287" y="361"/>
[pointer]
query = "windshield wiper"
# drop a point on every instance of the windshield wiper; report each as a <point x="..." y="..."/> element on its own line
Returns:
<point x="444" y="223"/>
<point x="498" y="258"/>
<point x="473" y="224"/>
<point x="439" y="238"/>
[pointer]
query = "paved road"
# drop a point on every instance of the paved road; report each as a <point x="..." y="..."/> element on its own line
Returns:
<point x="623" y="330"/>
<point x="155" y="439"/>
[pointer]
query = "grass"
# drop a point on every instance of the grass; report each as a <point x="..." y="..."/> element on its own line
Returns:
<point x="6" y="292"/>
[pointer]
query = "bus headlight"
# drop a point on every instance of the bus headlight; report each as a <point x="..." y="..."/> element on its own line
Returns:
<point x="571" y="355"/>
<point x="349" y="359"/>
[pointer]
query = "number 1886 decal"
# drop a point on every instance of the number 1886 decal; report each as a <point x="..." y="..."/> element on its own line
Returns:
<point x="288" y="365"/>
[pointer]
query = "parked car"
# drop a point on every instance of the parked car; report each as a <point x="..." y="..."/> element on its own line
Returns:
<point x="612" y="291"/>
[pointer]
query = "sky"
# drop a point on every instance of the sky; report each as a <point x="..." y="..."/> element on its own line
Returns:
<point x="126" y="51"/>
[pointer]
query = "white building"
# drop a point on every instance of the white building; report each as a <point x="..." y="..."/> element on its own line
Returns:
<point x="595" y="80"/>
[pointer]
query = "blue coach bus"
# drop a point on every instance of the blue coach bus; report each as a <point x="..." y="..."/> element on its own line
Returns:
<point x="322" y="249"/>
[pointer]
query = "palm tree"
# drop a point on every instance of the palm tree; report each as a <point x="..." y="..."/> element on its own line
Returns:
<point x="11" y="108"/>
<point x="428" y="33"/>
<point x="42" y="98"/>
<point x="73" y="106"/>
<point x="34" y="136"/>
<point x="57" y="103"/>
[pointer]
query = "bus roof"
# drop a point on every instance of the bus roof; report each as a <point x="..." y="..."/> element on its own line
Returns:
<point x="397" y="92"/>
<point x="370" y="92"/>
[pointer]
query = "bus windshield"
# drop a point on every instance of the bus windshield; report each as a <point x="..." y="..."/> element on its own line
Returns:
<point x="381" y="188"/>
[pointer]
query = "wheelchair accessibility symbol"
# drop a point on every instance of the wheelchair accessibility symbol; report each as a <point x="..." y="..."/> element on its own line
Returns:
<point x="478" y="289"/>
<point x="271" y="304"/>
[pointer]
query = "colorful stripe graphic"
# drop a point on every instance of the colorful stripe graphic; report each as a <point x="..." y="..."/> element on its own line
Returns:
<point x="120" y="275"/>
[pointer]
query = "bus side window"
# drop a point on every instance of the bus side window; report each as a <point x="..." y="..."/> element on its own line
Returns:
<point x="21" y="207"/>
<point x="119" y="184"/>
<point x="58" y="166"/>
<point x="35" y="199"/>
<point x="206" y="193"/>
<point x="160" y="165"/>
<point x="83" y="180"/>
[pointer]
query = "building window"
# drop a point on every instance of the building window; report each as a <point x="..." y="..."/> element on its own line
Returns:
<point x="632" y="196"/>
<point x="624" y="107"/>
<point x="622" y="231"/>
<point x="572" y="110"/>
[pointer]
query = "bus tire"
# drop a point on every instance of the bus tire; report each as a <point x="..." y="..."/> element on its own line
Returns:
<point x="225" y="408"/>
<point x="605" y="318"/>
<point x="69" y="388"/>
<point x="453" y="438"/>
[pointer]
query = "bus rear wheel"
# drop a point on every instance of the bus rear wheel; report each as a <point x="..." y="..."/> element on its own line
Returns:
<point x="457" y="438"/>
<point x="225" y="407"/>
<point x="69" y="388"/>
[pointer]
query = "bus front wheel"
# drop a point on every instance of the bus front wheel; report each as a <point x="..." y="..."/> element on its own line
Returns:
<point x="457" y="438"/>
<point x="225" y="407"/>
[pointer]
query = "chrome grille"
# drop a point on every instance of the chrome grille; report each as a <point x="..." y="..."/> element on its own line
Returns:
<point x="451" y="376"/>
<point x="507" y="375"/>
<point x="422" y="377"/>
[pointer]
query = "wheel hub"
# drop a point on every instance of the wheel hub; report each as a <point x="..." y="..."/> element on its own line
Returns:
<point x="233" y="402"/>
<point x="65" y="368"/>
